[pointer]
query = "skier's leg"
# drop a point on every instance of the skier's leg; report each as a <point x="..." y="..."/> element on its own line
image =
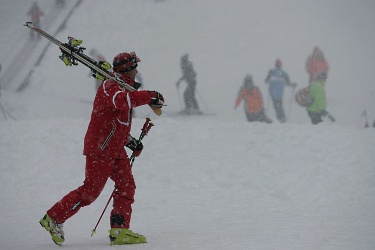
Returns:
<point x="315" y="117"/>
<point x="263" y="117"/>
<point x="250" y="117"/>
<point x="195" y="106"/>
<point x="278" y="104"/>
<point x="187" y="101"/>
<point x="97" y="172"/>
<point x="123" y="197"/>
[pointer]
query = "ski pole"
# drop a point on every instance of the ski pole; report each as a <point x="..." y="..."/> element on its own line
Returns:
<point x="146" y="127"/>
<point x="100" y="218"/>
<point x="202" y="100"/>
<point x="326" y="113"/>
<point x="364" y="114"/>
<point x="331" y="117"/>
<point x="290" y="103"/>
<point x="268" y="100"/>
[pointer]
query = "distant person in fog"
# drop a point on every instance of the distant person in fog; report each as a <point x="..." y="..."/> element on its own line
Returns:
<point x="317" y="109"/>
<point x="35" y="13"/>
<point x="253" y="102"/>
<point x="190" y="77"/>
<point x="277" y="78"/>
<point x="316" y="64"/>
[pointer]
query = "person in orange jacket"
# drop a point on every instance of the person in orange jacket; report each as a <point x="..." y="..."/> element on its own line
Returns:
<point x="316" y="64"/>
<point x="254" y="106"/>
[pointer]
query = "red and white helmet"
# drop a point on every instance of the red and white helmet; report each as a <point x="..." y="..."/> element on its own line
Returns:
<point x="124" y="62"/>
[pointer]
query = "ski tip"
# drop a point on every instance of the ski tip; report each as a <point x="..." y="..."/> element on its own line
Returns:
<point x="29" y="24"/>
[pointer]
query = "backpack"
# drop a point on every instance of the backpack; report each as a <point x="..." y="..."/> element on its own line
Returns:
<point x="303" y="97"/>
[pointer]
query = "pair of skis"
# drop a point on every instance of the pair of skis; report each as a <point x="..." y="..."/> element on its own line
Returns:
<point x="72" y="53"/>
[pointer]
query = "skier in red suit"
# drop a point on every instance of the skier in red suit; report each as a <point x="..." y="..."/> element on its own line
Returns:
<point x="107" y="134"/>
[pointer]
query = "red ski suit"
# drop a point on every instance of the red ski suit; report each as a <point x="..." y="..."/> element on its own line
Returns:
<point x="106" y="136"/>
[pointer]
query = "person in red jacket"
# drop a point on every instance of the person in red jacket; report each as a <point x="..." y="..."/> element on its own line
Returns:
<point x="254" y="107"/>
<point x="316" y="64"/>
<point x="107" y="134"/>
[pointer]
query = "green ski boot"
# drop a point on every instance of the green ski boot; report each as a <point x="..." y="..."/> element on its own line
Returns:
<point x="122" y="236"/>
<point x="55" y="230"/>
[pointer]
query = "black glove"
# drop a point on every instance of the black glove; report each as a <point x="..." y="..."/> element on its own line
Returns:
<point x="157" y="99"/>
<point x="135" y="145"/>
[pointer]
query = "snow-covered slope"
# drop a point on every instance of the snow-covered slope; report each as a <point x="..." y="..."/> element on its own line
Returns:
<point x="201" y="184"/>
<point x="209" y="182"/>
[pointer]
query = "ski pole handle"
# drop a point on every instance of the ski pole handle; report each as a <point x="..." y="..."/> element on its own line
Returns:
<point x="145" y="129"/>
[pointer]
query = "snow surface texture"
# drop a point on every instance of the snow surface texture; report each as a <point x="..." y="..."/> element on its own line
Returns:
<point x="203" y="182"/>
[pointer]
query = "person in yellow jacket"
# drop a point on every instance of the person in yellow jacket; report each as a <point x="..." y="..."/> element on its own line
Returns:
<point x="254" y="106"/>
